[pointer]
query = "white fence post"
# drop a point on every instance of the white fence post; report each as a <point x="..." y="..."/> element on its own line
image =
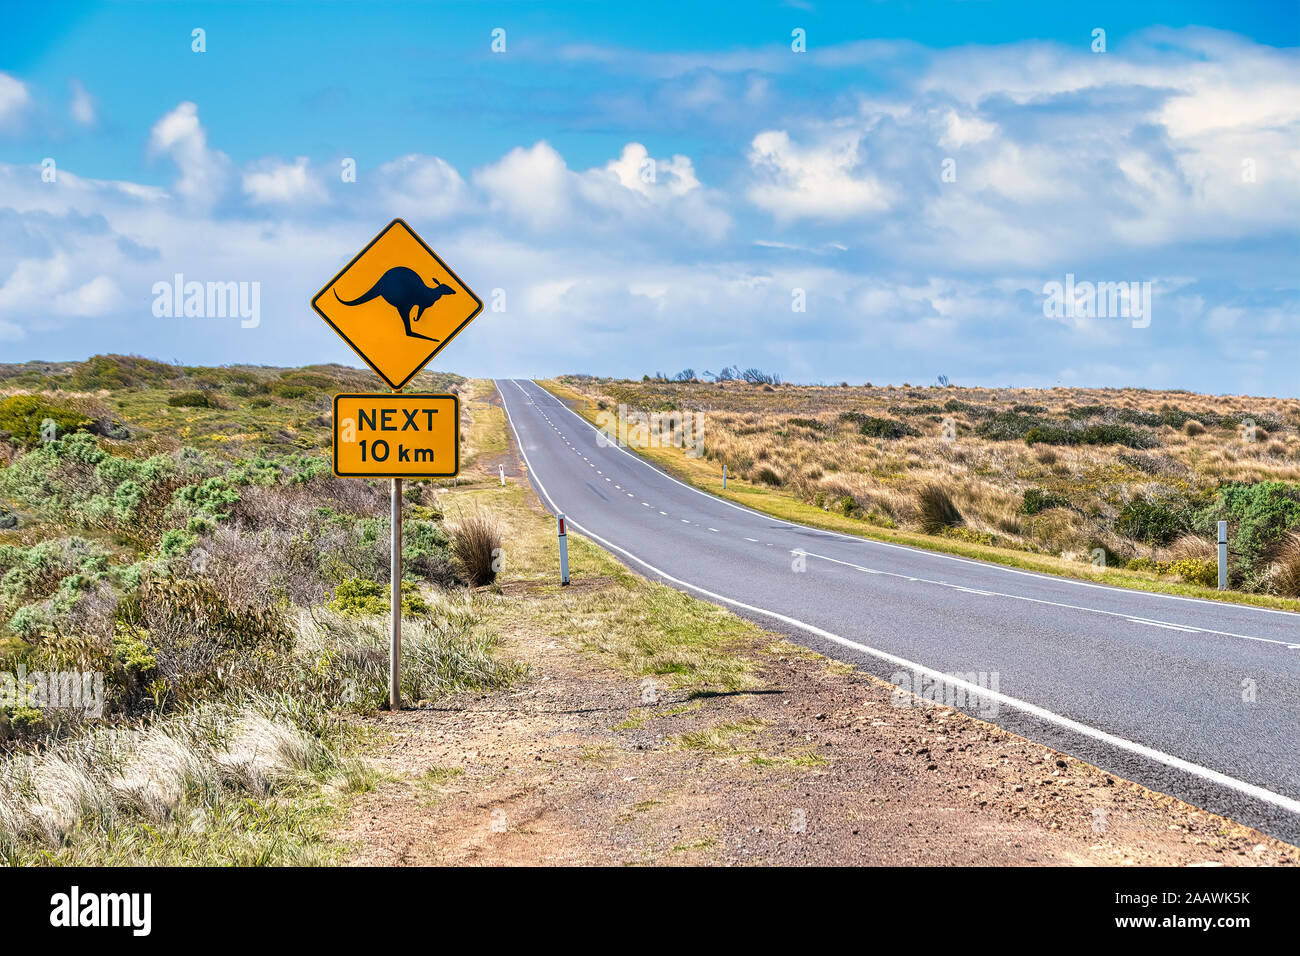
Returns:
<point x="564" y="549"/>
<point x="1223" y="555"/>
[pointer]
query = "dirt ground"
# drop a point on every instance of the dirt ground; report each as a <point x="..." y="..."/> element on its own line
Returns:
<point x="817" y="766"/>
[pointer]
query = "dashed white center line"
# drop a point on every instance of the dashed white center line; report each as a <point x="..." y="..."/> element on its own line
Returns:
<point x="714" y="530"/>
<point x="755" y="540"/>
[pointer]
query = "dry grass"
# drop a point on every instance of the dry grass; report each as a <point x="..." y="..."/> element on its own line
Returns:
<point x="1286" y="566"/>
<point x="120" y="781"/>
<point x="935" y="509"/>
<point x="476" y="548"/>
<point x="806" y="443"/>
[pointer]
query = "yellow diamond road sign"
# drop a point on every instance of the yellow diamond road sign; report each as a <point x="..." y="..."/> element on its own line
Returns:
<point x="397" y="304"/>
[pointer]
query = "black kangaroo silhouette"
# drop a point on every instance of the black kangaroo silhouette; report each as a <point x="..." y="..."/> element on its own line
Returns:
<point x="403" y="289"/>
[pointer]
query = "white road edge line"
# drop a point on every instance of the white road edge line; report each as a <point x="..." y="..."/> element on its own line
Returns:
<point x="1131" y="592"/>
<point x="1150" y="753"/>
<point x="1072" y="607"/>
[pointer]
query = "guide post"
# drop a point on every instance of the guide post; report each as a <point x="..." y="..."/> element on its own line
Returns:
<point x="564" y="549"/>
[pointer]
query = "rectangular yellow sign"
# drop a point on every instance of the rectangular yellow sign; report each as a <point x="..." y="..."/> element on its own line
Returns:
<point x="392" y="435"/>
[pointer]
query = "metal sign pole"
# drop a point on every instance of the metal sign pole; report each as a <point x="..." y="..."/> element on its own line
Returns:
<point x="395" y="621"/>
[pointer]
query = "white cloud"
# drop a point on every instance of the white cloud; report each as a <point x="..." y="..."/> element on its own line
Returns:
<point x="529" y="184"/>
<point x="427" y="186"/>
<point x="204" y="173"/>
<point x="272" y="181"/>
<point x="14" y="99"/>
<point x="828" y="180"/>
<point x="631" y="194"/>
<point x="82" y="107"/>
<point x="99" y="296"/>
<point x="965" y="130"/>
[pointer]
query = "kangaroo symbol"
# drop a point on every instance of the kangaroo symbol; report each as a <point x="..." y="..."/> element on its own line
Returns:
<point x="403" y="289"/>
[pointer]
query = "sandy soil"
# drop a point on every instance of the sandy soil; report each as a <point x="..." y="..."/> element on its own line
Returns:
<point x="817" y="766"/>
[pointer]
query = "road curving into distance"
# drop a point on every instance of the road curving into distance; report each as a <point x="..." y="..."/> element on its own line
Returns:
<point x="1193" y="698"/>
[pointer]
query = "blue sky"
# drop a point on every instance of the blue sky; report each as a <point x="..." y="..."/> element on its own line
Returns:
<point x="1172" y="158"/>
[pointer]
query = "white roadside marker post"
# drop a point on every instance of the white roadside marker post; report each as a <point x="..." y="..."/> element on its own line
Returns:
<point x="724" y="477"/>
<point x="502" y="470"/>
<point x="395" y="612"/>
<point x="564" y="549"/>
<point x="1223" y="555"/>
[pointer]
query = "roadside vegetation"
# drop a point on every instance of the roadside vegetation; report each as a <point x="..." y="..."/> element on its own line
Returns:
<point x="1120" y="485"/>
<point x="178" y="534"/>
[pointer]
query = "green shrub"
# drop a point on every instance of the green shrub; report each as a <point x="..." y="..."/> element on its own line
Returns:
<point x="1037" y="501"/>
<point x="1011" y="426"/>
<point x="1258" y="517"/>
<point x="23" y="416"/>
<point x="1125" y="435"/>
<point x="1196" y="571"/>
<point x="961" y="533"/>
<point x="190" y="400"/>
<point x="292" y="391"/>
<point x="1150" y="523"/>
<point x="809" y="423"/>
<point x="426" y="551"/>
<point x="1148" y="564"/>
<point x="121" y="371"/>
<point x="361" y="596"/>
<point x="874" y="427"/>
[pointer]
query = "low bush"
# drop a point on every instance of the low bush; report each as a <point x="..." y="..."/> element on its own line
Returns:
<point x="361" y="596"/>
<point x="874" y="427"/>
<point x="1286" y="566"/>
<point x="1150" y="523"/>
<point x="810" y="423"/>
<point x="935" y="509"/>
<point x="191" y="400"/>
<point x="1196" y="571"/>
<point x="1037" y="501"/>
<point x="25" y="416"/>
<point x="476" y="549"/>
<point x="1258" y="515"/>
<point x="1126" y="435"/>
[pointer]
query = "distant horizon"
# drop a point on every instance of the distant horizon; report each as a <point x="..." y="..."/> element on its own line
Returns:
<point x="825" y="383"/>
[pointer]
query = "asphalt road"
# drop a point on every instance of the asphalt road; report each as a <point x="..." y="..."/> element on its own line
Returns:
<point x="1193" y="698"/>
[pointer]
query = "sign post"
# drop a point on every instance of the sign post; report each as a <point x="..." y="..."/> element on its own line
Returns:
<point x="378" y="303"/>
<point x="1223" y="555"/>
<point x="564" y="548"/>
<point x="395" y="608"/>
